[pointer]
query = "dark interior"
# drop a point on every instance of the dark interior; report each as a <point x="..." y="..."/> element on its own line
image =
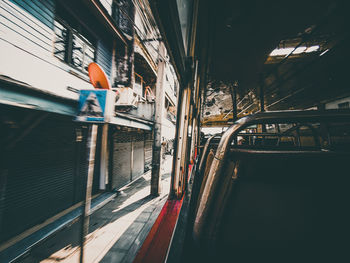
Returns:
<point x="279" y="205"/>
<point x="242" y="34"/>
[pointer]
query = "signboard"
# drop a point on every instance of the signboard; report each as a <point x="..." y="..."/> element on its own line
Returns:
<point x="96" y="106"/>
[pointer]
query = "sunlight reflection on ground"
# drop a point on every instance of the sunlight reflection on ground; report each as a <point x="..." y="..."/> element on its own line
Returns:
<point x="117" y="218"/>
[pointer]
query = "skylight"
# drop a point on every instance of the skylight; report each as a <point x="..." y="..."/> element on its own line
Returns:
<point x="298" y="50"/>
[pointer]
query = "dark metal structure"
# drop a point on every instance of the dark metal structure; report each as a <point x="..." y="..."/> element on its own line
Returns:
<point x="264" y="201"/>
<point x="274" y="184"/>
<point x="259" y="190"/>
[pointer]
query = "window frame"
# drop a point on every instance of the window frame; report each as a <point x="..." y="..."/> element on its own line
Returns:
<point x="69" y="49"/>
<point x="142" y="86"/>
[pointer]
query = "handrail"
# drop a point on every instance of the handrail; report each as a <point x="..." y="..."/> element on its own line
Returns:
<point x="205" y="150"/>
<point x="265" y="134"/>
<point x="225" y="143"/>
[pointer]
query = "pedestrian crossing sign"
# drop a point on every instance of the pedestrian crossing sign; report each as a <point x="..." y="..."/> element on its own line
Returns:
<point x="95" y="106"/>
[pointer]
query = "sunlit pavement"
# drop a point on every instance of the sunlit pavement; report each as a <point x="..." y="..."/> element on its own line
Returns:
<point x="117" y="230"/>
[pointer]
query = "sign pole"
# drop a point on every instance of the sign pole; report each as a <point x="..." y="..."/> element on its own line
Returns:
<point x="87" y="203"/>
<point x="95" y="106"/>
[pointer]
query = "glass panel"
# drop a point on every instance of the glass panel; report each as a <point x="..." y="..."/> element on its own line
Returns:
<point x="271" y="128"/>
<point x="340" y="135"/>
<point x="344" y="105"/>
<point x="61" y="40"/>
<point x="309" y="135"/>
<point x="298" y="136"/>
<point x="285" y="126"/>
<point x="77" y="51"/>
<point x="83" y="54"/>
<point x="73" y="42"/>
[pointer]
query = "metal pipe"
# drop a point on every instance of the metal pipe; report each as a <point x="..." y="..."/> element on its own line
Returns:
<point x="252" y="104"/>
<point x="205" y="151"/>
<point x="234" y="99"/>
<point x="261" y="96"/>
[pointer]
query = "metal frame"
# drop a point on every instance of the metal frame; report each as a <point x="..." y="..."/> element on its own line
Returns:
<point x="205" y="151"/>
<point x="227" y="138"/>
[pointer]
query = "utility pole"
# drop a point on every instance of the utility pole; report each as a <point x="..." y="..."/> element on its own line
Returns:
<point x="157" y="128"/>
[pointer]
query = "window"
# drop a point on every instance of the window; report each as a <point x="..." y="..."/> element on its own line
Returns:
<point x="344" y="105"/>
<point x="73" y="44"/>
<point x="294" y="51"/>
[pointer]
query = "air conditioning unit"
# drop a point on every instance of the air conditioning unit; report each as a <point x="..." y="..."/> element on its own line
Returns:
<point x="126" y="97"/>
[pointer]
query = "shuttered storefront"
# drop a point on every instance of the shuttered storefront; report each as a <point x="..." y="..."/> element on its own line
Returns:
<point x="128" y="156"/>
<point x="148" y="150"/>
<point x="121" y="159"/>
<point x="138" y="146"/>
<point x="46" y="173"/>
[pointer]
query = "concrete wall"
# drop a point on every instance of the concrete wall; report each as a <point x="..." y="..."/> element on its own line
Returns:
<point x="144" y="110"/>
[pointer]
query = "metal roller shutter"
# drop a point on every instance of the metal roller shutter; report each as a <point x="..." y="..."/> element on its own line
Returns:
<point x="43" y="177"/>
<point x="81" y="165"/>
<point x="138" y="155"/>
<point x="121" y="159"/>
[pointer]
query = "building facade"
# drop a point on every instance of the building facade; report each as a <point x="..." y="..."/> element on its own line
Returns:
<point x="45" y="48"/>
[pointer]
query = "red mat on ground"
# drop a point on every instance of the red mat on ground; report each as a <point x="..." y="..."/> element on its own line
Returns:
<point x="155" y="247"/>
